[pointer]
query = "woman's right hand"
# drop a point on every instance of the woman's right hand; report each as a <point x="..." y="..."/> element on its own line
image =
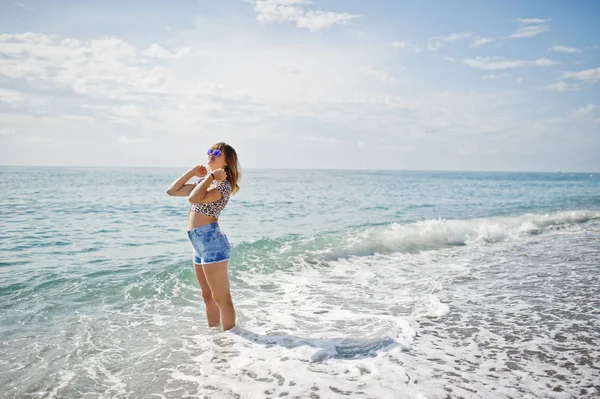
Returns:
<point x="199" y="170"/>
<point x="219" y="174"/>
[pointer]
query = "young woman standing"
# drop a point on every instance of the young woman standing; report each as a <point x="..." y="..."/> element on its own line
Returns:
<point x="211" y="249"/>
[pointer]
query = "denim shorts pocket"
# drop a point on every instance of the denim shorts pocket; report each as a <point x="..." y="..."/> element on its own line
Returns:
<point x="225" y="241"/>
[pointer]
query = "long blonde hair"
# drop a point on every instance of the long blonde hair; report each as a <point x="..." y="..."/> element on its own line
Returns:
<point x="233" y="168"/>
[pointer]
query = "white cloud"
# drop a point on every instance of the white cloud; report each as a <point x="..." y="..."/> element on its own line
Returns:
<point x="591" y="75"/>
<point x="529" y="31"/>
<point x="292" y="10"/>
<point x="532" y="21"/>
<point x="400" y="44"/>
<point x="5" y="131"/>
<point x="10" y="96"/>
<point x="494" y="63"/>
<point x="452" y="37"/>
<point x="437" y="42"/>
<point x="530" y="27"/>
<point x="434" y="46"/>
<point x="379" y="75"/>
<point x="157" y="51"/>
<point x="495" y="76"/>
<point x="129" y="110"/>
<point x="108" y="67"/>
<point x="565" y="49"/>
<point x="545" y="62"/>
<point x="562" y="87"/>
<point x="116" y="85"/>
<point x="480" y="41"/>
<point x="583" y="111"/>
<point x="319" y="20"/>
<point x="111" y="80"/>
<point x="277" y="11"/>
<point x="498" y="63"/>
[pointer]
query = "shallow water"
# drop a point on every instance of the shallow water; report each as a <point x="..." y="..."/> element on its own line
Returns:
<point x="362" y="284"/>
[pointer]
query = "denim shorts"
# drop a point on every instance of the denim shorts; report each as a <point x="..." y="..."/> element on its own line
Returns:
<point x="210" y="244"/>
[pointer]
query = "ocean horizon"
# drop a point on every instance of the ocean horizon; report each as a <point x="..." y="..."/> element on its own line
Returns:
<point x="184" y="168"/>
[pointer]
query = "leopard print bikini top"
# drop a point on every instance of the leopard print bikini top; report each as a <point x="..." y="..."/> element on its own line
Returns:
<point x="214" y="208"/>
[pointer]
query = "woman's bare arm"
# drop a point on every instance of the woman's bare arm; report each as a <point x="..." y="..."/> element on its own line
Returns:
<point x="178" y="188"/>
<point x="201" y="193"/>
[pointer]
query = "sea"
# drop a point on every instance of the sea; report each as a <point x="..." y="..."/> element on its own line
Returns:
<point x="347" y="284"/>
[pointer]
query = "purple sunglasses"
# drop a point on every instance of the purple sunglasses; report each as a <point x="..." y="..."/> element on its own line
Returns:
<point x="214" y="153"/>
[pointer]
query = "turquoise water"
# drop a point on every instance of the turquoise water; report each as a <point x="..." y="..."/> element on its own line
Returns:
<point x="422" y="284"/>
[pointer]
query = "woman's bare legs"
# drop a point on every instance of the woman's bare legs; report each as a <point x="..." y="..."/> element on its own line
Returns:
<point x="212" y="310"/>
<point x="218" y="280"/>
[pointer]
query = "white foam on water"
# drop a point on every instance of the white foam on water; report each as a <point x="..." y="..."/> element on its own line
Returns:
<point x="339" y="328"/>
<point x="434" y="324"/>
<point x="522" y="323"/>
<point x="431" y="307"/>
<point x="254" y="365"/>
<point x="440" y="233"/>
<point x="507" y="314"/>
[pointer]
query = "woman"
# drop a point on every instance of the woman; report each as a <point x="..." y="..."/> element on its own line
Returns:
<point x="211" y="249"/>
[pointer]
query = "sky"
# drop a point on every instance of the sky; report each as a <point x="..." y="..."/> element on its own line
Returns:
<point x="321" y="84"/>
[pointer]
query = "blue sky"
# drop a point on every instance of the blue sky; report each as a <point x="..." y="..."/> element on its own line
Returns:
<point x="437" y="85"/>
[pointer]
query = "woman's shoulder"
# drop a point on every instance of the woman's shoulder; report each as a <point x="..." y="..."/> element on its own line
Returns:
<point x="224" y="186"/>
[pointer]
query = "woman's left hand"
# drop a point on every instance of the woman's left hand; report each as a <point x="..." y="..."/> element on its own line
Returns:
<point x="219" y="174"/>
<point x="200" y="171"/>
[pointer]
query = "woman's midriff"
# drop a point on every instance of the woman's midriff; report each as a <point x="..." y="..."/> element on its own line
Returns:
<point x="198" y="219"/>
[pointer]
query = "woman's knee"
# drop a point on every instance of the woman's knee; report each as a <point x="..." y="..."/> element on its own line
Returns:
<point x="208" y="298"/>
<point x="222" y="299"/>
